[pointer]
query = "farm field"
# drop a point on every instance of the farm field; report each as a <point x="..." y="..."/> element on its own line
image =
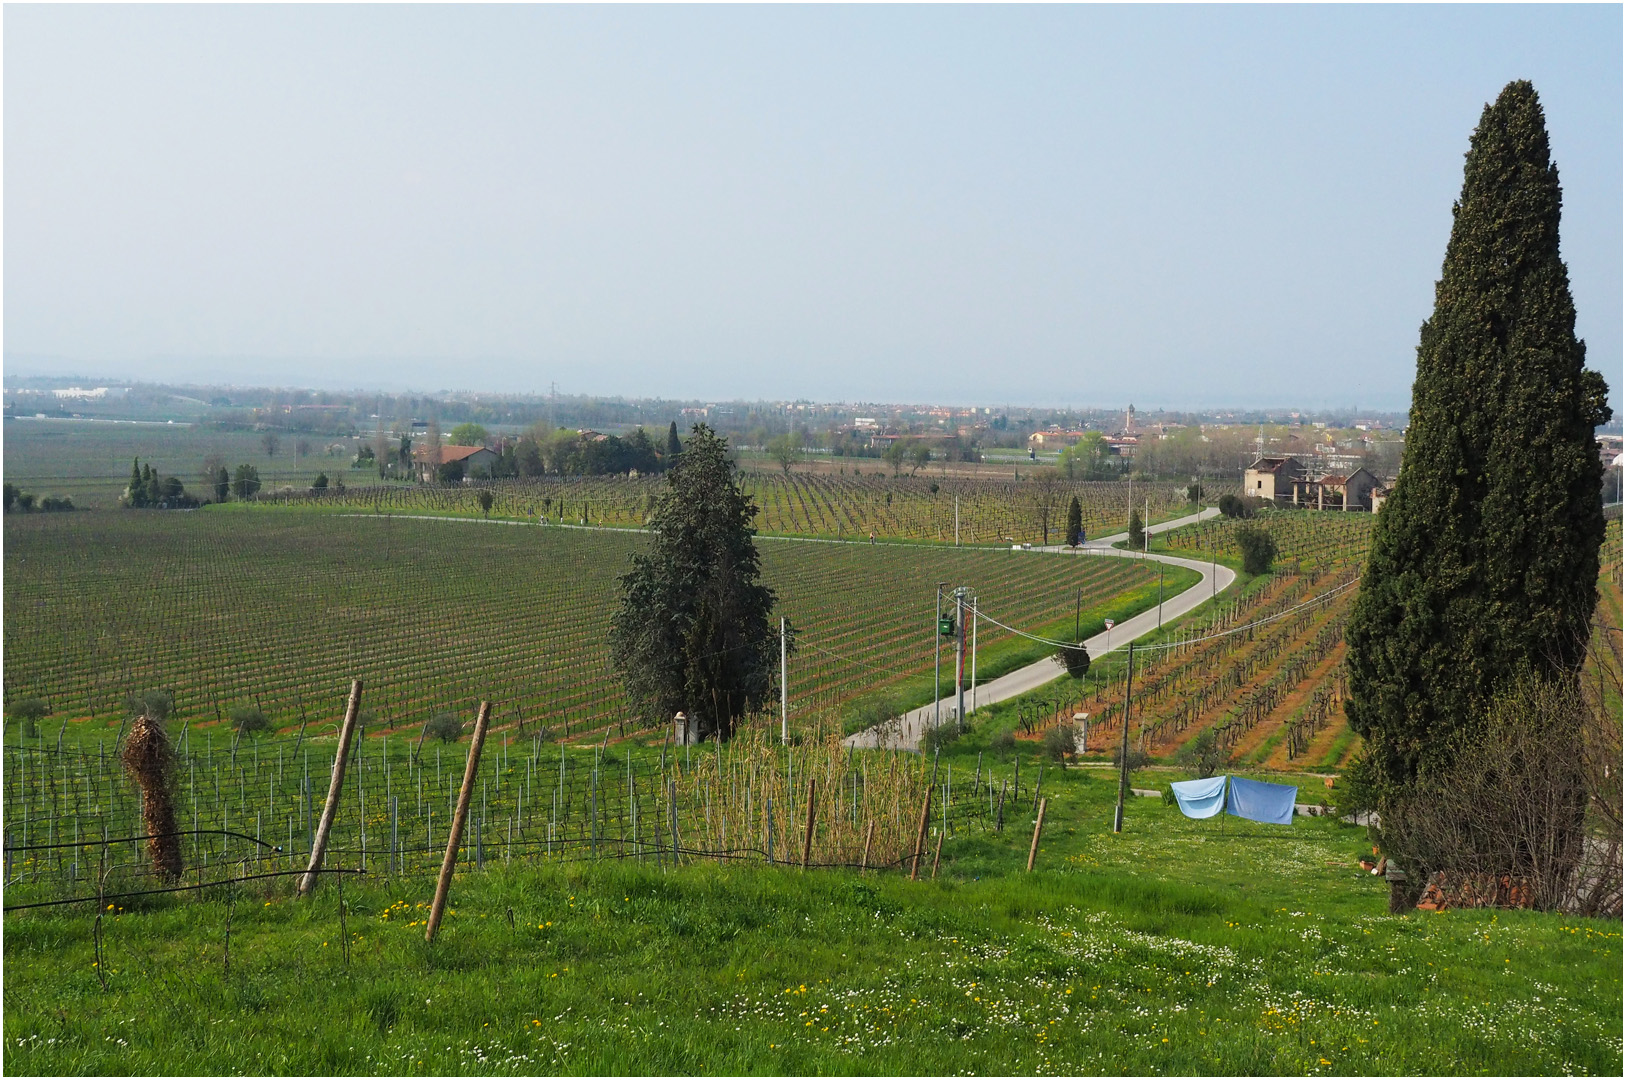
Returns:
<point x="1175" y="947"/>
<point x="280" y="610"/>
<point x="1314" y="540"/>
<point x="89" y="460"/>
<point x="90" y="463"/>
<point x="919" y="508"/>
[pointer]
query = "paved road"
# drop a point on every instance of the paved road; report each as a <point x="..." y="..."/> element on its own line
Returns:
<point x="905" y="733"/>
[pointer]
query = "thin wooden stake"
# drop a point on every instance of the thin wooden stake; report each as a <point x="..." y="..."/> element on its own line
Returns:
<point x="920" y="834"/>
<point x="938" y="854"/>
<point x="1038" y="827"/>
<point x="331" y="808"/>
<point x="807" y="842"/>
<point x="869" y="835"/>
<point x="449" y="863"/>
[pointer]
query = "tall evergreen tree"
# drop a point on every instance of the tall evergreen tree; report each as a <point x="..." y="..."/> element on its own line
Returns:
<point x="1484" y="560"/>
<point x="693" y="633"/>
<point x="1075" y="523"/>
<point x="673" y="446"/>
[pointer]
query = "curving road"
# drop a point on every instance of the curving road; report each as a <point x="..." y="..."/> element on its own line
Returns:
<point x="905" y="733"/>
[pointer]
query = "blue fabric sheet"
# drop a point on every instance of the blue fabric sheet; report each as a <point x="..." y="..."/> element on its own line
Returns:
<point x="1259" y="801"/>
<point x="1200" y="798"/>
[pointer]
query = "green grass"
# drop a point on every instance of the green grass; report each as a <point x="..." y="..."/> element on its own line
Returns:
<point x="1176" y="947"/>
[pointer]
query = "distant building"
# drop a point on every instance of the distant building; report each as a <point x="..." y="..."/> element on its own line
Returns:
<point x="1284" y="481"/>
<point x="1054" y="438"/>
<point x="474" y="458"/>
<point x="1272" y="478"/>
<point x="1337" y="492"/>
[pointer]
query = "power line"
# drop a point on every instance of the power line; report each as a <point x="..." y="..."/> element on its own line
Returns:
<point x="1191" y="641"/>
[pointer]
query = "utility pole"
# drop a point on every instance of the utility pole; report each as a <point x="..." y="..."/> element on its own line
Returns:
<point x="1160" y="595"/>
<point x="1145" y="527"/>
<point x="937" y="659"/>
<point x="1077" y="602"/>
<point x="973" y="654"/>
<point x="784" y="689"/>
<point x="956" y="521"/>
<point x="1123" y="752"/>
<point x="959" y="663"/>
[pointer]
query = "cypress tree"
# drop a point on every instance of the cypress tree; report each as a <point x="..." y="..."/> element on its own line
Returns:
<point x="1484" y="560"/>
<point x="673" y="446"/>
<point x="1075" y="523"/>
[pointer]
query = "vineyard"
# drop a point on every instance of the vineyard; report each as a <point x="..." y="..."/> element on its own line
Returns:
<point x="1307" y="540"/>
<point x="989" y="512"/>
<point x="249" y="807"/>
<point x="279" y="611"/>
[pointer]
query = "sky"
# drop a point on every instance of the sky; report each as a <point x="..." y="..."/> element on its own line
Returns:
<point x="1178" y="207"/>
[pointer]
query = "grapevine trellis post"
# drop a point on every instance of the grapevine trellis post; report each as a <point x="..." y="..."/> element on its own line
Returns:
<point x="444" y="884"/>
<point x="331" y="807"/>
<point x="1123" y="752"/>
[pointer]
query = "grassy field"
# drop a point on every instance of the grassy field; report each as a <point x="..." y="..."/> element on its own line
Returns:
<point x="281" y="609"/>
<point x="89" y="460"/>
<point x="1176" y="947"/>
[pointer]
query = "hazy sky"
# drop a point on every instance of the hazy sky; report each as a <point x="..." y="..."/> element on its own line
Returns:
<point x="1086" y="205"/>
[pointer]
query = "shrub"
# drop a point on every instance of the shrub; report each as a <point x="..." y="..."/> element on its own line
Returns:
<point x="446" y="727"/>
<point x="29" y="711"/>
<point x="249" y="720"/>
<point x="1233" y="506"/>
<point x="154" y="703"/>
<point x="1258" y="549"/>
<point x="1059" y="742"/>
<point x="1075" y="658"/>
<point x="939" y="737"/>
<point x="1203" y="753"/>
<point x="1138" y="758"/>
<point x="1003" y="743"/>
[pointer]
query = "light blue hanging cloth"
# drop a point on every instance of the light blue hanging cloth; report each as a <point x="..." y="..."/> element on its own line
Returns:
<point x="1259" y="801"/>
<point x="1200" y="798"/>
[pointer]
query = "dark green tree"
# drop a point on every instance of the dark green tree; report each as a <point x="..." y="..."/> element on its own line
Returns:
<point x="246" y="482"/>
<point x="11" y="496"/>
<point x="693" y="632"/>
<point x="486" y="498"/>
<point x="1075" y="523"/>
<point x="1484" y="561"/>
<point x="222" y="482"/>
<point x="320" y="483"/>
<point x="1137" y="531"/>
<point x="1258" y="549"/>
<point x="673" y="446"/>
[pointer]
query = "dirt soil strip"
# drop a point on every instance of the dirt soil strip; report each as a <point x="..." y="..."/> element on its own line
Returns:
<point x="1206" y="719"/>
<point x="1323" y="739"/>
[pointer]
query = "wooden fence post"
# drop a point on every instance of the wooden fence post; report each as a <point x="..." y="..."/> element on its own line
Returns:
<point x="1038" y="827"/>
<point x="807" y="841"/>
<point x="331" y="808"/>
<point x="869" y="835"/>
<point x="449" y="863"/>
<point x="920" y="834"/>
<point x="938" y="854"/>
